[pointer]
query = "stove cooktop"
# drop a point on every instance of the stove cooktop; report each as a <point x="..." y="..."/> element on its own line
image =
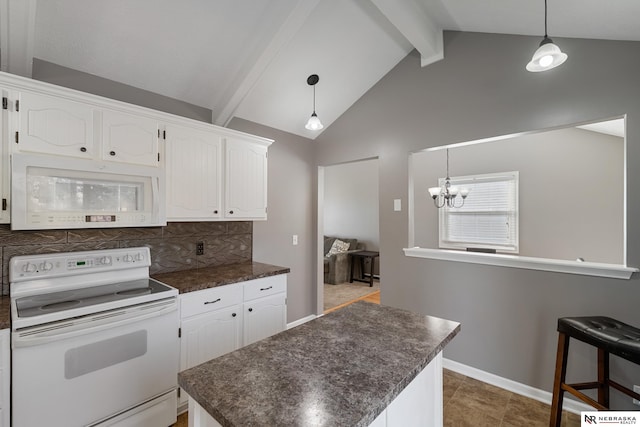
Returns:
<point x="37" y="305"/>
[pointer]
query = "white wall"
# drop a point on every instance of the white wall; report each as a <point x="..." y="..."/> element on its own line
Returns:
<point x="351" y="202"/>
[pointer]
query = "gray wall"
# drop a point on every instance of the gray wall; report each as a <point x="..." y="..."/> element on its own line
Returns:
<point x="480" y="90"/>
<point x="351" y="202"/>
<point x="570" y="181"/>
<point x="291" y="204"/>
<point x="85" y="82"/>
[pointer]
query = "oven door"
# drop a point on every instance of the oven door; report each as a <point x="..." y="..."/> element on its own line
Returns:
<point x="78" y="372"/>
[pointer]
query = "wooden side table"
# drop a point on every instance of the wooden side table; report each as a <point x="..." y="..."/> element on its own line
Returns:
<point x="362" y="255"/>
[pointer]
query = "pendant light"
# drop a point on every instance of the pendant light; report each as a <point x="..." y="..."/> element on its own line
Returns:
<point x="548" y="55"/>
<point x="314" y="122"/>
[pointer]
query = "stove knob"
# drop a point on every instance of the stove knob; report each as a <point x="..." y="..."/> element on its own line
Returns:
<point x="128" y="258"/>
<point x="29" y="268"/>
<point x="45" y="266"/>
<point x="139" y="257"/>
<point x="105" y="260"/>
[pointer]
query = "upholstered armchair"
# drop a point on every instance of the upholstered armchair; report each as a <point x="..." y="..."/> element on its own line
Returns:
<point x="337" y="266"/>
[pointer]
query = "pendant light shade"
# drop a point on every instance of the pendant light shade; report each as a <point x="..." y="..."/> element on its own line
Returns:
<point x="314" y="122"/>
<point x="548" y="55"/>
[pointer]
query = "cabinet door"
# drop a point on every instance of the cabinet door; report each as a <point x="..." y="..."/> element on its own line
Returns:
<point x="208" y="336"/>
<point x="194" y="174"/>
<point x="4" y="160"/>
<point x="128" y="138"/>
<point x="245" y="180"/>
<point x="264" y="317"/>
<point x="53" y="125"/>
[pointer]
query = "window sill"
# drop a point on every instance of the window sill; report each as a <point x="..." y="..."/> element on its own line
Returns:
<point x="545" y="264"/>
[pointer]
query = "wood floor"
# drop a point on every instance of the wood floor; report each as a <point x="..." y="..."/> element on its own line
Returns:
<point x="472" y="403"/>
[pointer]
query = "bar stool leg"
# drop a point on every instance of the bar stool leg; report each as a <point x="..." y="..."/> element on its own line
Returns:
<point x="603" y="377"/>
<point x="559" y="378"/>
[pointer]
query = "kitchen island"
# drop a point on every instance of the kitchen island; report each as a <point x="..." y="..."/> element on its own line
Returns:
<point x="362" y="365"/>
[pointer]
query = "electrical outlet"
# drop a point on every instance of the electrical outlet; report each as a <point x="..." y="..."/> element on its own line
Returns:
<point x="636" y="388"/>
<point x="294" y="239"/>
<point x="200" y="248"/>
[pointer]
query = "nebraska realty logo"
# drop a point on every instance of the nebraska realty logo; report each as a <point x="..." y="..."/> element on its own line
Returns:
<point x="610" y="418"/>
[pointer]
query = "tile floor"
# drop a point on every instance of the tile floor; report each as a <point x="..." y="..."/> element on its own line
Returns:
<point x="473" y="403"/>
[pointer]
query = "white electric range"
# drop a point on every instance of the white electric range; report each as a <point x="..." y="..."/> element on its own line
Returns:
<point x="94" y="340"/>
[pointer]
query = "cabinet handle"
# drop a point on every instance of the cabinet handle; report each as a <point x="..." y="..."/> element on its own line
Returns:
<point x="251" y="309"/>
<point x="266" y="289"/>
<point x="211" y="302"/>
<point x="112" y="153"/>
<point x="216" y="211"/>
<point x="83" y="149"/>
<point x="233" y="315"/>
<point x="231" y="212"/>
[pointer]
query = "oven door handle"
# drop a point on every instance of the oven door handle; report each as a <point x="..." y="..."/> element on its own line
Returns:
<point x="55" y="331"/>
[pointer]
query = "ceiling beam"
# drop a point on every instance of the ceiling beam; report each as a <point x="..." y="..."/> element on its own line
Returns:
<point x="287" y="31"/>
<point x="17" y="32"/>
<point x="412" y="20"/>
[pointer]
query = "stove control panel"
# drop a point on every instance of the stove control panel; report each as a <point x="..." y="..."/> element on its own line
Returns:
<point x="71" y="263"/>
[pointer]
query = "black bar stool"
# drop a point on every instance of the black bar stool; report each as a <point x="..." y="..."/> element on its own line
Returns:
<point x="609" y="336"/>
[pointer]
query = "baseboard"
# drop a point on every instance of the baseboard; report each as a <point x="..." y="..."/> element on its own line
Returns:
<point x="569" y="405"/>
<point x="301" y="321"/>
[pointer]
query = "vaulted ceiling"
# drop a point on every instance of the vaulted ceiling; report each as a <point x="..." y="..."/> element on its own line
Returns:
<point x="251" y="58"/>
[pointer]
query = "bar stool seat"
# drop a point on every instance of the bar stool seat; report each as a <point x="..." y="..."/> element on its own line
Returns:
<point x="609" y="336"/>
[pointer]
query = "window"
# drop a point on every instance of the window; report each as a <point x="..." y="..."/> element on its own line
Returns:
<point x="489" y="217"/>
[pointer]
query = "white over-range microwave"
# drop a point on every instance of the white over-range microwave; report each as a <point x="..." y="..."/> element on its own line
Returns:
<point x="58" y="193"/>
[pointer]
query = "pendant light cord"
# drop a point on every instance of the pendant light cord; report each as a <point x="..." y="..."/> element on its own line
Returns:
<point x="545" y="19"/>
<point x="314" y="98"/>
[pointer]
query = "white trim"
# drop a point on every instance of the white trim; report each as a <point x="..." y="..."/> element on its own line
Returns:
<point x="301" y="321"/>
<point x="569" y="405"/>
<point x="585" y="268"/>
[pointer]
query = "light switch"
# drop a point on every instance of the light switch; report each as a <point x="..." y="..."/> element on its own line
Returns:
<point x="397" y="205"/>
<point x="294" y="240"/>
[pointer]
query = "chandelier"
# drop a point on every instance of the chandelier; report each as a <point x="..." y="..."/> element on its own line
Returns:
<point x="446" y="195"/>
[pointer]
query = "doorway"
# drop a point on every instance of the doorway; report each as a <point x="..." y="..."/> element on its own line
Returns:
<point x="348" y="204"/>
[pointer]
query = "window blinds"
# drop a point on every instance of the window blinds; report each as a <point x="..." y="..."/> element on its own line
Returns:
<point x="489" y="217"/>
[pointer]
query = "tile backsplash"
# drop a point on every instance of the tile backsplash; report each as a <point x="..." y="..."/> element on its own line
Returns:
<point x="173" y="247"/>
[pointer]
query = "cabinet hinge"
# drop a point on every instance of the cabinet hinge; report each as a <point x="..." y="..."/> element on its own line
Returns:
<point x="17" y="137"/>
<point x="179" y="332"/>
<point x="4" y="204"/>
<point x="5" y="103"/>
<point x="18" y="105"/>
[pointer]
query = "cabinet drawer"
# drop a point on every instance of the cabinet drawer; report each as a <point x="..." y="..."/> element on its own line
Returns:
<point x="263" y="287"/>
<point x="212" y="299"/>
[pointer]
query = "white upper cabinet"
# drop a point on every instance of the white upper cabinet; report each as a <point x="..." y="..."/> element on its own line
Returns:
<point x="194" y="174"/>
<point x="245" y="179"/>
<point x="129" y="138"/>
<point x="54" y="125"/>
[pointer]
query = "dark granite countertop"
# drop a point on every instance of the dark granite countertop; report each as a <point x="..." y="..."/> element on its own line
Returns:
<point x="342" y="369"/>
<point x="5" y="312"/>
<point x="210" y="277"/>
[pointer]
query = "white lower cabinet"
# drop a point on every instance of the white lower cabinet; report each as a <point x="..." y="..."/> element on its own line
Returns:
<point x="5" y="377"/>
<point x="219" y="320"/>
<point x="264" y="317"/>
